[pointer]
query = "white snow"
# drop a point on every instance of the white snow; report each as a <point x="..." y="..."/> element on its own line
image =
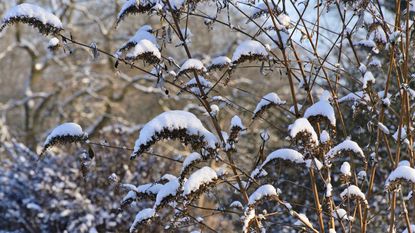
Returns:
<point x="316" y="164"/>
<point x="65" y="129"/>
<point x="322" y="108"/>
<point x="404" y="172"/>
<point x="329" y="190"/>
<point x="383" y="128"/>
<point x="324" y="136"/>
<point x="260" y="8"/>
<point x="172" y="120"/>
<point x="176" y="4"/>
<point x="249" y="48"/>
<point x="285" y="154"/>
<point x="353" y="191"/>
<point x="378" y="35"/>
<point x="304" y="220"/>
<point x="302" y="125"/>
<point x="169" y="189"/>
<point x="187" y="34"/>
<point x="130" y="195"/>
<point x="346" y="145"/>
<point x="268" y="99"/>
<point x="214" y="110"/>
<point x="366" y="43"/>
<point x="191" y="159"/>
<point x="368" y="78"/>
<point x="203" y="176"/>
<point x="142" y="47"/>
<point x="292" y="108"/>
<point x="354" y="96"/>
<point x="340" y="214"/>
<point x="33" y="11"/>
<point x="194" y="88"/>
<point x="151" y="188"/>
<point x="141" y="216"/>
<point x="249" y="216"/>
<point x="222" y="170"/>
<point x="403" y="134"/>
<point x="345" y="169"/>
<point x="221" y="61"/>
<point x="203" y="82"/>
<point x="284" y="20"/>
<point x="53" y="42"/>
<point x="192" y="64"/>
<point x="236" y="122"/>
<point x="143" y="33"/>
<point x="262" y="192"/>
<point x="128" y="4"/>
<point x="362" y="68"/>
<point x="236" y="204"/>
<point x="361" y="175"/>
<point x="404" y="163"/>
<point x="168" y="177"/>
<point x="375" y="63"/>
<point x="258" y="172"/>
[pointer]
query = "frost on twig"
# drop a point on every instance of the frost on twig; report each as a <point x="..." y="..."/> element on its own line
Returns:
<point x="44" y="21"/>
<point x="175" y="124"/>
<point x="65" y="133"/>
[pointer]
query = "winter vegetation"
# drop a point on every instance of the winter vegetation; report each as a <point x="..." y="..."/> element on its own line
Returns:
<point x="207" y="116"/>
